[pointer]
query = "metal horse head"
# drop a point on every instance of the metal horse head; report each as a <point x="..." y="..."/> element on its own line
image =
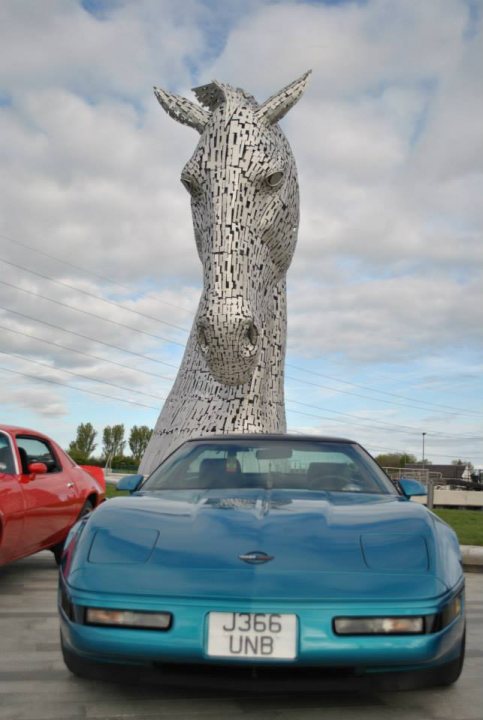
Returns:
<point x="244" y="198"/>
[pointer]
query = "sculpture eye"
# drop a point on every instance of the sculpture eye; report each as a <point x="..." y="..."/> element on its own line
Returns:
<point x="275" y="180"/>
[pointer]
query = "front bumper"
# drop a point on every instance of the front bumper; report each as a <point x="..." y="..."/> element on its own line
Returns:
<point x="317" y="644"/>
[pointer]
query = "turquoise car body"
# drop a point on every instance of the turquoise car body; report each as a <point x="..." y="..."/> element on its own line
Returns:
<point x="334" y="555"/>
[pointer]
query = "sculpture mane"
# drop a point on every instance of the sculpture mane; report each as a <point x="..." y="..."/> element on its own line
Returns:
<point x="244" y="199"/>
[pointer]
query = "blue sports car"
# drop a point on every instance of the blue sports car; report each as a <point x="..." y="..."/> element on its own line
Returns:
<point x="281" y="555"/>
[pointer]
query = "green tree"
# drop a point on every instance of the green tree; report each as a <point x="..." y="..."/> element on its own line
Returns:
<point x="138" y="440"/>
<point x="84" y="445"/>
<point x="395" y="460"/>
<point x="113" y="440"/>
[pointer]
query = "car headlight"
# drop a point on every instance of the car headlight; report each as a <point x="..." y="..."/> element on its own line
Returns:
<point x="128" y="618"/>
<point x="446" y="616"/>
<point x="400" y="625"/>
<point x="451" y="611"/>
<point x="379" y="625"/>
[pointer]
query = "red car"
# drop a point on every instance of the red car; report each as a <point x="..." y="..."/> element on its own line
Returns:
<point x="42" y="493"/>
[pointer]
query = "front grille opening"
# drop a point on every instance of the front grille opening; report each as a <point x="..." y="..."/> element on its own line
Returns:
<point x="251" y="672"/>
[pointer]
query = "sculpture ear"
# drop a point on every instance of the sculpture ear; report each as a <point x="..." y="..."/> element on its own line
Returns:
<point x="278" y="105"/>
<point x="183" y="110"/>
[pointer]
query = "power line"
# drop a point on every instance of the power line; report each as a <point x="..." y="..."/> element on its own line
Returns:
<point x="435" y="454"/>
<point x="35" y="378"/>
<point x="419" y="405"/>
<point x="288" y="377"/>
<point x="89" y="355"/>
<point x="92" y="295"/>
<point x="306" y="382"/>
<point x="382" y="392"/>
<point x="130" y="402"/>
<point x="331" y="419"/>
<point x="448" y="438"/>
<point x="83" y="377"/>
<point x="85" y="270"/>
<point x="387" y="402"/>
<point x="389" y="450"/>
<point x="91" y="314"/>
<point x="87" y="337"/>
<point x="400" y="428"/>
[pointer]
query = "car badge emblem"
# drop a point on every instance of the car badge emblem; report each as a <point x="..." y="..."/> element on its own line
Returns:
<point x="255" y="557"/>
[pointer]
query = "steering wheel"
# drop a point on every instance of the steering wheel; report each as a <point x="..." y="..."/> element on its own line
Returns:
<point x="334" y="483"/>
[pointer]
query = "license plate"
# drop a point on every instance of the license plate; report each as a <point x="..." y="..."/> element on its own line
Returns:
<point x="252" y="635"/>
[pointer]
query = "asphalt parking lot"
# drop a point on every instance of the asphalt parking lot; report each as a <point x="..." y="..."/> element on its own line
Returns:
<point x="35" y="685"/>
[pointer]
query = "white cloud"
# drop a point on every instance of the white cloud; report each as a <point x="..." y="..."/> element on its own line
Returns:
<point x="384" y="319"/>
<point x="63" y="45"/>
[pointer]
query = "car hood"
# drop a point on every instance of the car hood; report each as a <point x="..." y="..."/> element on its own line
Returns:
<point x="321" y="545"/>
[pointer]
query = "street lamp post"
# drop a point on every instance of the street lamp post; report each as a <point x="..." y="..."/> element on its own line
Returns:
<point x="429" y="483"/>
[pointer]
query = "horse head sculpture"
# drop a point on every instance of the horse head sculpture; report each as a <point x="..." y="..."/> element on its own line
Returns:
<point x="243" y="185"/>
<point x="244" y="197"/>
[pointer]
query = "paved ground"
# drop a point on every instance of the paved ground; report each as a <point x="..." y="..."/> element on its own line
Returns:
<point x="35" y="685"/>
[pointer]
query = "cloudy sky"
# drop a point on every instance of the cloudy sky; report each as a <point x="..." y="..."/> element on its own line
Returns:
<point x="99" y="273"/>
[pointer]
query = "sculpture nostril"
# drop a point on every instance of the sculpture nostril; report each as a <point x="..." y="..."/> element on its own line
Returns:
<point x="251" y="335"/>
<point x="202" y="339"/>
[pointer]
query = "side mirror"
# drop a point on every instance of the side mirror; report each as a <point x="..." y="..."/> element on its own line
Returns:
<point x="130" y="483"/>
<point x="37" y="468"/>
<point x="412" y="487"/>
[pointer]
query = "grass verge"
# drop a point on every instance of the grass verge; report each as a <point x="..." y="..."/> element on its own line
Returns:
<point x="467" y="524"/>
<point x="112" y="492"/>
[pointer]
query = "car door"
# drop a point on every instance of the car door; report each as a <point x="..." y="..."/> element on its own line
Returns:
<point x="51" y="498"/>
<point x="11" y="503"/>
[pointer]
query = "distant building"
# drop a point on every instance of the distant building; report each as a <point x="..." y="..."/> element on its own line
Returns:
<point x="448" y="473"/>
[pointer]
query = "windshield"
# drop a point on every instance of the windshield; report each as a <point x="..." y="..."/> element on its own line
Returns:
<point x="271" y="464"/>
